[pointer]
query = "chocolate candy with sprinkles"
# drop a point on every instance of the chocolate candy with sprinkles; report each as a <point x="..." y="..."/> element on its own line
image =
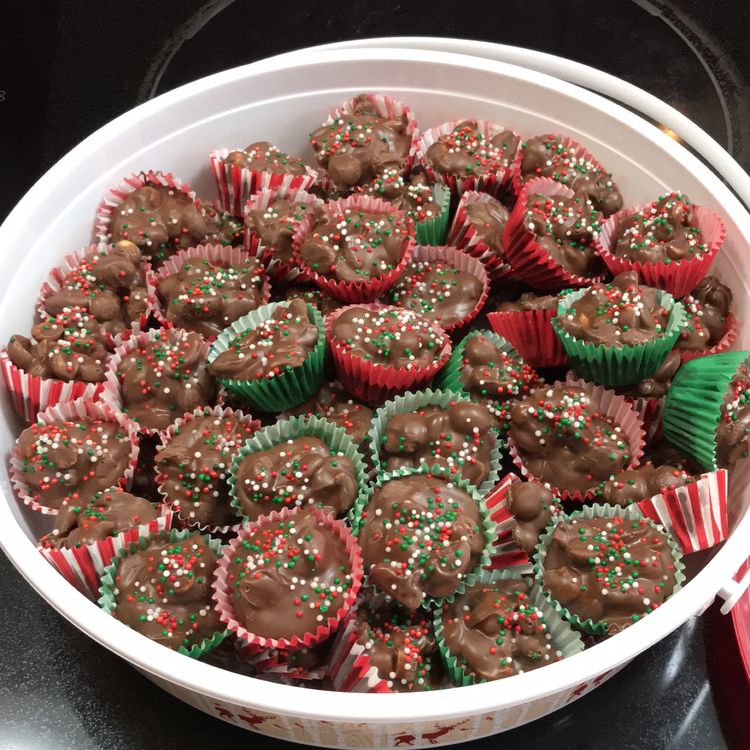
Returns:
<point x="733" y="430"/>
<point x="263" y="156"/>
<point x="634" y="485"/>
<point x="533" y="507"/>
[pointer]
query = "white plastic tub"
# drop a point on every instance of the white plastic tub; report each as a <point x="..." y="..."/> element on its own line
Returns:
<point x="283" y="99"/>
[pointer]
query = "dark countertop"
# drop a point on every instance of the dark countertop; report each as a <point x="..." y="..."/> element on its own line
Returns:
<point x="85" y="62"/>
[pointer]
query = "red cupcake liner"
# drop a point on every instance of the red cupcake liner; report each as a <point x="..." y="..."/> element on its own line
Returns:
<point x="220" y="412"/>
<point x="461" y="262"/>
<point x="218" y="255"/>
<point x="83" y="566"/>
<point x="531" y="334"/>
<point x="731" y="331"/>
<point x="695" y="514"/>
<point x="279" y="663"/>
<point x="616" y="408"/>
<point x="463" y="235"/>
<point x="253" y="244"/>
<point x="649" y="410"/>
<point x="359" y="291"/>
<point x="223" y="600"/>
<point x="106" y="211"/>
<point x="71" y="410"/>
<point x="495" y="184"/>
<point x="111" y="392"/>
<point x="375" y="383"/>
<point x="528" y="259"/>
<point x="73" y="260"/>
<point x="235" y="183"/>
<point x="678" y="277"/>
<point x="30" y="394"/>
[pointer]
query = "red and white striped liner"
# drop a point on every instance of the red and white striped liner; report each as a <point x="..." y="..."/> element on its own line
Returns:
<point x="83" y="566"/>
<point x="616" y="408"/>
<point x="678" y="277"/>
<point x="106" y="211"/>
<point x="355" y="291"/>
<point x="495" y="184"/>
<point x="235" y="183"/>
<point x="220" y="412"/>
<point x="30" y="394"/>
<point x="529" y="260"/>
<point x="463" y="235"/>
<point x="218" y="255"/>
<point x="253" y="244"/>
<point x="276" y="662"/>
<point x="696" y="513"/>
<point x="731" y="331"/>
<point x="73" y="410"/>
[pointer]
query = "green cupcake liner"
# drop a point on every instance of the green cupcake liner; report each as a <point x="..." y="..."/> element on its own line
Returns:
<point x="334" y="436"/>
<point x="107" y="600"/>
<point x="591" y="511"/>
<point x="565" y="640"/>
<point x="356" y="521"/>
<point x="433" y="231"/>
<point x="692" y="408"/>
<point x="625" y="365"/>
<point x="413" y="401"/>
<point x="284" y="391"/>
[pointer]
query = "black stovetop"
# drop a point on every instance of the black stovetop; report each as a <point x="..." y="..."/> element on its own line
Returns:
<point x="69" y="66"/>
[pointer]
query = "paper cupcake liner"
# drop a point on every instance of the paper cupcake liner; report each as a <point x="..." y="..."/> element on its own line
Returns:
<point x="358" y="291"/>
<point x="107" y="600"/>
<point x="31" y="394"/>
<point x="72" y="410"/>
<point x="692" y="409"/>
<point x="223" y="599"/>
<point x="526" y="256"/>
<point x="531" y="334"/>
<point x="235" y="183"/>
<point x="608" y="404"/>
<point x="731" y="331"/>
<point x="280" y="663"/>
<point x="218" y="255"/>
<point x="461" y="262"/>
<point x="336" y="438"/>
<point x="111" y="394"/>
<point x="432" y="231"/>
<point x="252" y="243"/>
<point x="596" y="510"/>
<point x="649" y="411"/>
<point x="84" y="566"/>
<point x="284" y="391"/>
<point x="566" y="641"/>
<point x="357" y="521"/>
<point x="506" y="553"/>
<point x="623" y="365"/>
<point x="695" y="514"/>
<point x="676" y="277"/>
<point x="374" y="383"/>
<point x="495" y="184"/>
<point x="412" y="402"/>
<point x="220" y="412"/>
<point x="54" y="281"/>
<point x="463" y="235"/>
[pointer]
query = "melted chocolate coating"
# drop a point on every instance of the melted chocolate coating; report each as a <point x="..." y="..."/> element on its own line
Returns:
<point x="288" y="577"/>
<point x="206" y="298"/>
<point x="532" y="505"/>
<point x="109" y="283"/>
<point x="144" y="476"/>
<point x="732" y="441"/>
<point x="420" y="537"/>
<point x="658" y="383"/>
<point x="706" y="321"/>
<point x="660" y="452"/>
<point x="280" y="343"/>
<point x="298" y="472"/>
<point x="222" y="228"/>
<point x="634" y="485"/>
<point x="611" y="571"/>
<point x="165" y="378"/>
<point x="263" y="156"/>
<point x="488" y="220"/>
<point x="494" y="631"/>
<point x="164" y="591"/>
<point x="415" y="197"/>
<point x="458" y="437"/>
<point x="312" y="295"/>
<point x="70" y="461"/>
<point x="564" y="442"/>
<point x="529" y="301"/>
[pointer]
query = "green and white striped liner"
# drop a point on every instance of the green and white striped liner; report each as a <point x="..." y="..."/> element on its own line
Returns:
<point x="432" y="231"/>
<point x="566" y="641"/>
<point x="413" y="401"/>
<point x="597" y="511"/>
<point x="284" y="391"/>
<point x="108" y="598"/>
<point x="335" y="437"/>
